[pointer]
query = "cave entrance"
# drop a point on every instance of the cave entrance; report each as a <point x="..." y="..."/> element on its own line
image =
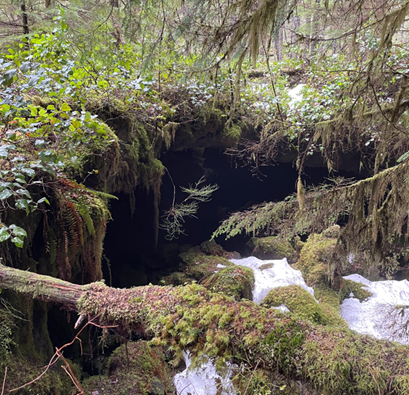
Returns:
<point x="130" y="239"/>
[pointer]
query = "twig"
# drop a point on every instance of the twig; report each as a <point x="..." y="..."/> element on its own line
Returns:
<point x="4" y="381"/>
<point x="251" y="378"/>
<point x="71" y="375"/>
<point x="379" y="390"/>
<point x="58" y="354"/>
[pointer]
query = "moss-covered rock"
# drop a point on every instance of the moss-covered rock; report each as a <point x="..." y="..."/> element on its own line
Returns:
<point x="298" y="301"/>
<point x="134" y="369"/>
<point x="236" y="281"/>
<point x="198" y="265"/>
<point x="357" y="289"/>
<point x="315" y="260"/>
<point x="273" y="247"/>
<point x="175" y="278"/>
<point x="210" y="247"/>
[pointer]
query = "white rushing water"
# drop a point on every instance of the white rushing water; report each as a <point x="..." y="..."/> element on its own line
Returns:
<point x="204" y="380"/>
<point x="376" y="315"/>
<point x="281" y="274"/>
<point x="369" y="317"/>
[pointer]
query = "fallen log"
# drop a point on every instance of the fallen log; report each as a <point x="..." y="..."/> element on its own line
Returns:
<point x="330" y="359"/>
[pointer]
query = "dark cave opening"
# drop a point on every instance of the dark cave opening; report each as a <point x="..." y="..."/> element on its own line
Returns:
<point x="130" y="241"/>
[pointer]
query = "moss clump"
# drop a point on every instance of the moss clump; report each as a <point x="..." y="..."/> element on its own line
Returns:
<point x="344" y="362"/>
<point x="135" y="368"/>
<point x="285" y="340"/>
<point x="266" y="266"/>
<point x="175" y="278"/>
<point x="330" y="302"/>
<point x="210" y="247"/>
<point x="357" y="289"/>
<point x="273" y="247"/>
<point x="298" y="301"/>
<point x="232" y="132"/>
<point x="236" y="281"/>
<point x="198" y="266"/>
<point x="316" y="258"/>
<point x="23" y="370"/>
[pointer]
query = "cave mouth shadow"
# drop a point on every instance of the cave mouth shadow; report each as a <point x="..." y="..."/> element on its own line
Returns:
<point x="130" y="239"/>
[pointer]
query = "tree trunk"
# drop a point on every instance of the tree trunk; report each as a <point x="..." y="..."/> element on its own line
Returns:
<point x="24" y="16"/>
<point x="216" y="325"/>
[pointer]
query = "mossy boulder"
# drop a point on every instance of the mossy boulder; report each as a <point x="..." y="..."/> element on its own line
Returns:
<point x="316" y="258"/>
<point x="273" y="247"/>
<point x="210" y="247"/>
<point x="197" y="265"/>
<point x="299" y="301"/>
<point x="358" y="290"/>
<point x="236" y="281"/>
<point x="135" y="368"/>
<point x="175" y="278"/>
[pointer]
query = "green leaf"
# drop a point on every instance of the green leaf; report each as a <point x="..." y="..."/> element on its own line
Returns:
<point x="25" y="66"/>
<point x="28" y="171"/>
<point x="45" y="200"/>
<point x="17" y="231"/>
<point x="39" y="143"/>
<point x="4" y="233"/>
<point x="4" y="150"/>
<point x="9" y="74"/>
<point x="22" y="204"/>
<point x="24" y="192"/>
<point x="5" y="194"/>
<point x="34" y="111"/>
<point x="65" y="107"/>
<point x="18" y="242"/>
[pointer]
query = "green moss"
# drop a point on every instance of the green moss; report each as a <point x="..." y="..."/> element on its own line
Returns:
<point x="175" y="278"/>
<point x="284" y="340"/>
<point x="232" y="132"/>
<point x="273" y="247"/>
<point x="299" y="301"/>
<point x="266" y="266"/>
<point x="7" y="326"/>
<point x="236" y="281"/>
<point x="358" y="289"/>
<point x="22" y="370"/>
<point x="344" y="362"/>
<point x="198" y="266"/>
<point x="134" y="368"/>
<point x="315" y="260"/>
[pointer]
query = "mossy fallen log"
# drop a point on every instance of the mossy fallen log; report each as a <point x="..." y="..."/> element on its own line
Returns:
<point x="331" y="360"/>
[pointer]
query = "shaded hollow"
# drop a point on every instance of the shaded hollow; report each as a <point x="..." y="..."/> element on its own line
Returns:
<point x="130" y="242"/>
